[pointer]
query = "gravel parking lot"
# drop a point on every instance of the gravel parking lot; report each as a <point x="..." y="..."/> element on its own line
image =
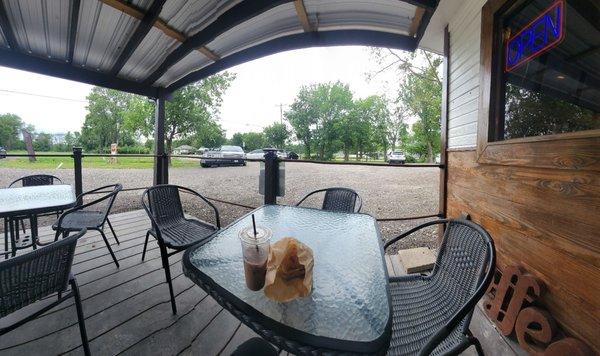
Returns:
<point x="387" y="192"/>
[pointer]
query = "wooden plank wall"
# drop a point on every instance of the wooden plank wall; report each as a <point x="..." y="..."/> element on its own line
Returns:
<point x="545" y="220"/>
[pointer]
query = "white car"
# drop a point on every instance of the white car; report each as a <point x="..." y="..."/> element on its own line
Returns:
<point x="256" y="154"/>
<point x="260" y="154"/>
<point x="233" y="156"/>
<point x="396" y="157"/>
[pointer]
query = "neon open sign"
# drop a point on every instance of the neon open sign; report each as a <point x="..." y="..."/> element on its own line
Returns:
<point x="544" y="32"/>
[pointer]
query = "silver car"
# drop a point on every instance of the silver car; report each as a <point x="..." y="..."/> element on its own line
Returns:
<point x="395" y="157"/>
<point x="224" y="156"/>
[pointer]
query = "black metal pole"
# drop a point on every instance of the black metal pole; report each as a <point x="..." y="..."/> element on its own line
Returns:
<point x="271" y="176"/>
<point x="77" y="155"/>
<point x="165" y="173"/>
<point x="159" y="142"/>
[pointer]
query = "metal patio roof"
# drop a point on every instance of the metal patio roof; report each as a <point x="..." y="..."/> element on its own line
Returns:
<point x="154" y="47"/>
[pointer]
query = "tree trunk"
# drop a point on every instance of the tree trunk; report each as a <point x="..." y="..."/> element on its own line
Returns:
<point x="346" y="153"/>
<point x="385" y="147"/>
<point x="307" y="148"/>
<point x="429" y="152"/>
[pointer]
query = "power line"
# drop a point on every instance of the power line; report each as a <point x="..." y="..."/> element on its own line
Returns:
<point x="42" y="95"/>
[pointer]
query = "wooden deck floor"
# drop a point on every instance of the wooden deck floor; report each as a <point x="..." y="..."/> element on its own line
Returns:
<point x="127" y="310"/>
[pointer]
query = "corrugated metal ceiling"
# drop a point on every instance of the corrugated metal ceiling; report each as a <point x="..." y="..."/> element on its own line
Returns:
<point x="42" y="28"/>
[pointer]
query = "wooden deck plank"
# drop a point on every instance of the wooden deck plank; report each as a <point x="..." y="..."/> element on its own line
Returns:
<point x="128" y="298"/>
<point x="186" y="327"/>
<point x="212" y="340"/>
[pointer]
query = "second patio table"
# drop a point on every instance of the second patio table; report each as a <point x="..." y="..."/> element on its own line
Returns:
<point x="349" y="309"/>
<point x="29" y="201"/>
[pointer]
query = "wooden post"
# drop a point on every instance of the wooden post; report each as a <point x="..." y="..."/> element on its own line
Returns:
<point x="77" y="156"/>
<point x="271" y="176"/>
<point x="160" y="163"/>
<point x="443" y="202"/>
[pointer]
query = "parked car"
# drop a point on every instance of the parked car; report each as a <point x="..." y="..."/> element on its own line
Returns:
<point x="215" y="157"/>
<point x="256" y="154"/>
<point x="2" y="152"/>
<point x="260" y="154"/>
<point x="396" y="157"/>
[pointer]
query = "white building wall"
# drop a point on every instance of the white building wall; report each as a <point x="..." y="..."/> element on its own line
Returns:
<point x="464" y="28"/>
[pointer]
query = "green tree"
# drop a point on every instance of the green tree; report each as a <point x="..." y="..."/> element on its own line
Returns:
<point x="194" y="109"/>
<point x="72" y="139"/>
<point x="276" y="135"/>
<point x="42" y="142"/>
<point x="237" y="139"/>
<point x="315" y="116"/>
<point x="254" y="141"/>
<point x="103" y="124"/>
<point x="420" y="92"/>
<point x="379" y="115"/>
<point x="211" y="134"/>
<point x="10" y="126"/>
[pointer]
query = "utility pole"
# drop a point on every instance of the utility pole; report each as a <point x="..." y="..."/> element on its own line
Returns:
<point x="281" y="105"/>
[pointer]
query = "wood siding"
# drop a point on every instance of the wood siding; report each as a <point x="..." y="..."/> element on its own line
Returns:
<point x="464" y="75"/>
<point x="545" y="220"/>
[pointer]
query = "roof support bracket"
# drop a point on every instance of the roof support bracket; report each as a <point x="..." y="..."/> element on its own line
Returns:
<point x="6" y="28"/>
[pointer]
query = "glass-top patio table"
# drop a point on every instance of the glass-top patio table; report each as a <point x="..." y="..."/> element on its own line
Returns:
<point x="30" y="201"/>
<point x="349" y="308"/>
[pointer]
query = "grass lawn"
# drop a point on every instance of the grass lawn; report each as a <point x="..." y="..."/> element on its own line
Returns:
<point x="88" y="162"/>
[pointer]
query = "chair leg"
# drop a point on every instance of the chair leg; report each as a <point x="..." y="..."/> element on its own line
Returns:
<point x="167" y="268"/>
<point x="475" y="342"/>
<point x="113" y="231"/>
<point x="13" y="231"/>
<point x="6" y="238"/>
<point x="109" y="249"/>
<point x="145" y="245"/>
<point x="80" y="317"/>
<point x="23" y="226"/>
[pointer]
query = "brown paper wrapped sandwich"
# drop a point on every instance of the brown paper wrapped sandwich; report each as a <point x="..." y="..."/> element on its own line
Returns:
<point x="289" y="270"/>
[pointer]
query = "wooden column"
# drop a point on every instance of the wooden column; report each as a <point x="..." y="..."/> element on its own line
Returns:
<point x="161" y="164"/>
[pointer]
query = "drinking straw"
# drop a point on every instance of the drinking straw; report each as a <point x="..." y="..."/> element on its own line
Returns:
<point x="254" y="227"/>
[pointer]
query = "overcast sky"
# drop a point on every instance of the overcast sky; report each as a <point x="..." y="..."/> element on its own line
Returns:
<point x="251" y="103"/>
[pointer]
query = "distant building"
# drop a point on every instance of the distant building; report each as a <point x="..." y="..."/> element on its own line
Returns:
<point x="58" y="138"/>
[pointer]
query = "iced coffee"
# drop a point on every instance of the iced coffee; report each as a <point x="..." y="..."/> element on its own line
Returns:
<point x="255" y="251"/>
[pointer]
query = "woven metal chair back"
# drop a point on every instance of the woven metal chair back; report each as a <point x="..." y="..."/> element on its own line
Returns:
<point x="164" y="203"/>
<point x="105" y="202"/>
<point x="461" y="264"/>
<point x="28" y="278"/>
<point x="340" y="200"/>
<point x="37" y="179"/>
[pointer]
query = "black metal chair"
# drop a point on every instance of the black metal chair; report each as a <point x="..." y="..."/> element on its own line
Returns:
<point x="28" y="278"/>
<point x="171" y="228"/>
<point x="431" y="313"/>
<point x="338" y="199"/>
<point x="90" y="215"/>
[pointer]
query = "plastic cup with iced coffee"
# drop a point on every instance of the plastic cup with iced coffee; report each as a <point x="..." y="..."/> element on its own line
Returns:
<point x="255" y="250"/>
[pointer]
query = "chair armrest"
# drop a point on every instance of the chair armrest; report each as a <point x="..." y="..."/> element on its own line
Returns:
<point x="310" y="194"/>
<point x="116" y="189"/>
<point x="217" y="218"/>
<point x="414" y="229"/>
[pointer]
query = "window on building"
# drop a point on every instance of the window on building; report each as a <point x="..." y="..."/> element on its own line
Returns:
<point x="548" y="75"/>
